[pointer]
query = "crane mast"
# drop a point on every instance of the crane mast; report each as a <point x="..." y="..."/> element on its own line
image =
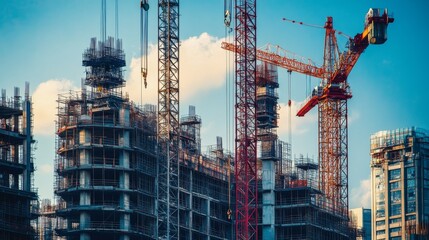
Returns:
<point x="333" y="138"/>
<point x="332" y="107"/>
<point x="168" y="119"/>
<point x="246" y="188"/>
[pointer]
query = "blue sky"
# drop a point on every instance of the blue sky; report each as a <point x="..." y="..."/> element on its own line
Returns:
<point x="42" y="42"/>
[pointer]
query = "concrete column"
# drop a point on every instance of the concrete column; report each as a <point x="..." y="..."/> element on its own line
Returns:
<point x="268" y="198"/>
<point x="85" y="198"/>
<point x="124" y="117"/>
<point x="124" y="221"/>
<point x="84" y="178"/>
<point x="124" y="180"/>
<point x="26" y="126"/>
<point x="85" y="157"/>
<point x="124" y="201"/>
<point x="84" y="136"/>
<point x="191" y="224"/>
<point x="124" y="159"/>
<point x="208" y="217"/>
<point x="125" y="139"/>
<point x="124" y="237"/>
<point x="85" y="222"/>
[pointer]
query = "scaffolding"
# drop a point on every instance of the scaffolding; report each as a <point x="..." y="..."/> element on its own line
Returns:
<point x="204" y="194"/>
<point x="306" y="169"/>
<point x="204" y="198"/>
<point x="190" y="126"/>
<point x="106" y="155"/>
<point x="47" y="220"/>
<point x="301" y="214"/>
<point x="284" y="168"/>
<point x="18" y="197"/>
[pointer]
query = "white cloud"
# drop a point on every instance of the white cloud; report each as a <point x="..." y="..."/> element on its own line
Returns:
<point x="45" y="105"/>
<point x="361" y="196"/>
<point x="46" y="169"/>
<point x="353" y="116"/>
<point x="202" y="68"/>
<point x="299" y="125"/>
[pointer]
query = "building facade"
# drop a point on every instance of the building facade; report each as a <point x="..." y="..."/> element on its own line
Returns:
<point x="360" y="220"/>
<point x="400" y="184"/>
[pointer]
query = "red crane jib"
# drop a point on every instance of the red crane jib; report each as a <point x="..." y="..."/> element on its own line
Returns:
<point x="281" y="61"/>
<point x="346" y="63"/>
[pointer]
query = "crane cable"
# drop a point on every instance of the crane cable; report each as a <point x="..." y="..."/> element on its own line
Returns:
<point x="289" y="103"/>
<point x="144" y="7"/>
<point x="116" y="21"/>
<point x="302" y="23"/>
<point x="228" y="95"/>
<point x="103" y="21"/>
<point x="315" y="26"/>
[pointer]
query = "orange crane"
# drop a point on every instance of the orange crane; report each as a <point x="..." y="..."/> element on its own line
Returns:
<point x="331" y="97"/>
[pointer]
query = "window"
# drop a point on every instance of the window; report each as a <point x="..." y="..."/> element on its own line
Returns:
<point x="411" y="183"/>
<point x="426" y="173"/>
<point x="381" y="232"/>
<point x="411" y="207"/>
<point x="380" y="223"/>
<point x="395" y="185"/>
<point x="411" y="194"/>
<point x="395" y="197"/>
<point x="380" y="213"/>
<point x="396" y="238"/>
<point x="426" y="206"/>
<point x="411" y="172"/>
<point x="380" y="205"/>
<point x="394" y="174"/>
<point x="412" y="217"/>
<point x="379" y="197"/>
<point x="395" y="209"/>
<point x="395" y="220"/>
<point x="393" y="230"/>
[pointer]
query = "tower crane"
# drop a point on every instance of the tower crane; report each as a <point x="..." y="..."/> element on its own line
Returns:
<point x="331" y="97"/>
<point x="246" y="186"/>
<point x="168" y="119"/>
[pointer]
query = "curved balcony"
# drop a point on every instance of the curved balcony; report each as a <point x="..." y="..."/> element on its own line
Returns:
<point x="107" y="227"/>
<point x="63" y="186"/>
<point x="110" y="164"/>
<point x="70" y="209"/>
<point x="95" y="142"/>
<point x="68" y="126"/>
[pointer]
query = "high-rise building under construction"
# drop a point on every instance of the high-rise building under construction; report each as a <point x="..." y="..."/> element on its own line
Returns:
<point x="18" y="197"/>
<point x="400" y="184"/>
<point x="105" y="164"/>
